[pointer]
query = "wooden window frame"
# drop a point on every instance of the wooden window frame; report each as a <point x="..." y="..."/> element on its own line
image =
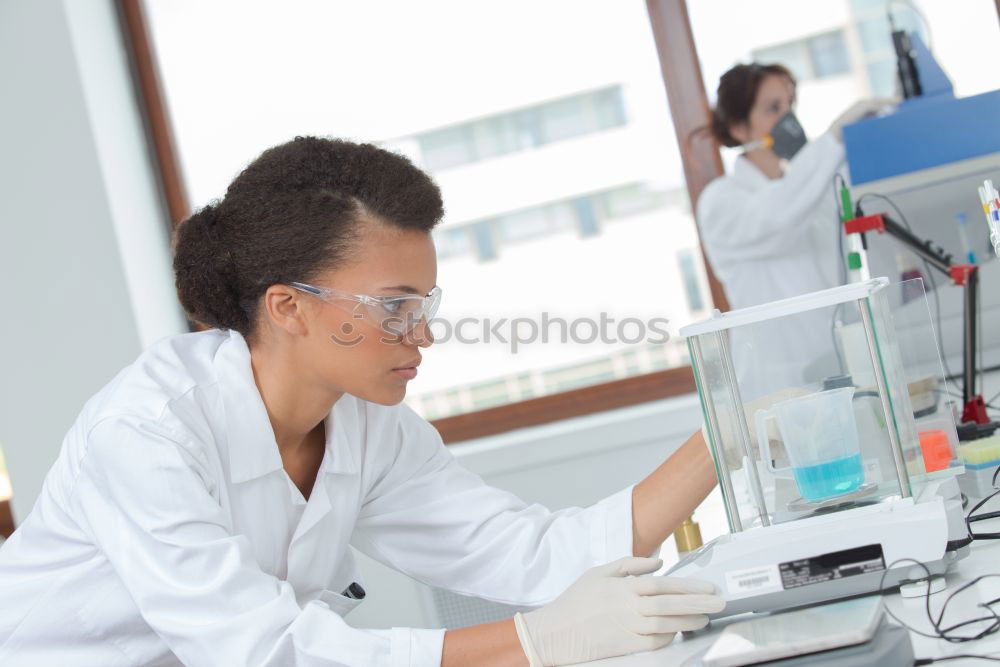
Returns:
<point x="6" y="519"/>
<point x="702" y="163"/>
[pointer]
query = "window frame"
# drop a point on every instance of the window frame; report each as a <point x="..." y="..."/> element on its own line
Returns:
<point x="702" y="163"/>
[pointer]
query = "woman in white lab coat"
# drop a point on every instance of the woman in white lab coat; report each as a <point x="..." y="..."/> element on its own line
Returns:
<point x="770" y="227"/>
<point x="205" y="504"/>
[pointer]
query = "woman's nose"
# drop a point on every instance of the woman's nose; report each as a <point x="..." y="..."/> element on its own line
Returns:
<point x="420" y="335"/>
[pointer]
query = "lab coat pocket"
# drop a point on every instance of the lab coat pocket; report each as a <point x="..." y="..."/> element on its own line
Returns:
<point x="338" y="603"/>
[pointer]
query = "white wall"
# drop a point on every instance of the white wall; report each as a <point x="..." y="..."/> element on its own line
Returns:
<point x="84" y="255"/>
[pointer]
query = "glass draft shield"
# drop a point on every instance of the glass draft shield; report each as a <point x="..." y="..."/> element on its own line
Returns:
<point x="824" y="402"/>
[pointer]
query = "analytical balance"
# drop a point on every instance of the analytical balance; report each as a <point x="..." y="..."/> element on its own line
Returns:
<point x="826" y="477"/>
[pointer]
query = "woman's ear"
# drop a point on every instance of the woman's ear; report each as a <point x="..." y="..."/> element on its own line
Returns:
<point x="740" y="132"/>
<point x="285" y="308"/>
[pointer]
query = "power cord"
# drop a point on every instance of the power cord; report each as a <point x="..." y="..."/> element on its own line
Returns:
<point x="916" y="10"/>
<point x="993" y="398"/>
<point x="988" y="403"/>
<point x="947" y="633"/>
<point x="972" y="517"/>
<point x="927" y="268"/>
<point x="928" y="661"/>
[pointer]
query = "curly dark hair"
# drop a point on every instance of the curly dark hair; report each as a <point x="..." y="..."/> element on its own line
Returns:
<point x="735" y="97"/>
<point x="293" y="213"/>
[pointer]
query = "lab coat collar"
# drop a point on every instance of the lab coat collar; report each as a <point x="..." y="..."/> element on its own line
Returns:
<point x="747" y="174"/>
<point x="342" y="439"/>
<point x="253" y="451"/>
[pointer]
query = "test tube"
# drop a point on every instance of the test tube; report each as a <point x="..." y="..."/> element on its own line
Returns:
<point x="970" y="253"/>
<point x="990" y="200"/>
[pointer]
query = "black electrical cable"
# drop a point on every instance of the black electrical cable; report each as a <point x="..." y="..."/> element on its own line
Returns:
<point x="988" y="403"/>
<point x="979" y="335"/>
<point x="916" y="10"/>
<point x="993" y="398"/>
<point x="972" y="517"/>
<point x="947" y="633"/>
<point x="988" y="369"/>
<point x="927" y="268"/>
<point x="928" y="661"/>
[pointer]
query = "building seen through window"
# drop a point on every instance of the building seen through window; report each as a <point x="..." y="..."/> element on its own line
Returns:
<point x="522" y="129"/>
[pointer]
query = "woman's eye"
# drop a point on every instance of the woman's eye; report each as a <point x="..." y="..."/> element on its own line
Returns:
<point x="392" y="306"/>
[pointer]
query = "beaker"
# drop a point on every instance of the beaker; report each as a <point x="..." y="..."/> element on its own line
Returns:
<point x="820" y="435"/>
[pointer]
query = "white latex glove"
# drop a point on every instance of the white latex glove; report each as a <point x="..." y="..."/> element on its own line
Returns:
<point x="608" y="612"/>
<point x="859" y="110"/>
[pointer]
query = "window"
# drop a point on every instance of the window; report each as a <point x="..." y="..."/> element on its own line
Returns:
<point x="692" y="284"/>
<point x="452" y="242"/>
<point x="580" y="375"/>
<point x="634" y="199"/>
<point x="794" y="56"/>
<point x="490" y="394"/>
<point x="485" y="246"/>
<point x="584" y="214"/>
<point x="874" y="34"/>
<point x="556" y="159"/>
<point x="814" y="57"/>
<point x="828" y="53"/>
<point x="535" y="222"/>
<point x="522" y="129"/>
<point x="449" y="147"/>
<point x="586" y="219"/>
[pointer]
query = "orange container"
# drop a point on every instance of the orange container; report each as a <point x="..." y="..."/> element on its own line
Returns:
<point x="936" y="450"/>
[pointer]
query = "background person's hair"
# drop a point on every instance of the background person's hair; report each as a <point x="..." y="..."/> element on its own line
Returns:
<point x="735" y="97"/>
<point x="293" y="213"/>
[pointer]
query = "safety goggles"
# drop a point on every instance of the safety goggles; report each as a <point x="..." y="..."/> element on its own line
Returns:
<point x="397" y="315"/>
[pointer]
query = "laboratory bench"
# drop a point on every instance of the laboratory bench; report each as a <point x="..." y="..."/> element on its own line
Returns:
<point x="983" y="558"/>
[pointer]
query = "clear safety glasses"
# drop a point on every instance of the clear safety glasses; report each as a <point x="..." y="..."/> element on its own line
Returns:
<point x="397" y="315"/>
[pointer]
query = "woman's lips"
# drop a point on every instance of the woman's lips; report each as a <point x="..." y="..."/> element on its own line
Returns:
<point x="406" y="373"/>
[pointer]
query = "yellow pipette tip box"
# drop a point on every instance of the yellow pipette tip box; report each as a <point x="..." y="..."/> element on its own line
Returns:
<point x="982" y="452"/>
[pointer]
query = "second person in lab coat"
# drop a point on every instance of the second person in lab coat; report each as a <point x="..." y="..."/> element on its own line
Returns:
<point x="205" y="505"/>
<point x="770" y="227"/>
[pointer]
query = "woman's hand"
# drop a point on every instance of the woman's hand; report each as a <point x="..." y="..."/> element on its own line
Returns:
<point x="610" y="611"/>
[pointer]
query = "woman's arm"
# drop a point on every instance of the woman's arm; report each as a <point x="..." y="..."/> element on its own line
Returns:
<point x="740" y="224"/>
<point x="438" y="522"/>
<point x="488" y="645"/>
<point x="670" y="494"/>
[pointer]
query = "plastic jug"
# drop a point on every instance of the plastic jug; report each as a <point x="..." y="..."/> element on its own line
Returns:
<point x="821" y="438"/>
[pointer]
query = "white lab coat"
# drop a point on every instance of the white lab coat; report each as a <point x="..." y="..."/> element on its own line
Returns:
<point x="773" y="239"/>
<point x="168" y="532"/>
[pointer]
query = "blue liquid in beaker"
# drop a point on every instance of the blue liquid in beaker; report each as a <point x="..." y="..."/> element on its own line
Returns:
<point x="831" y="478"/>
